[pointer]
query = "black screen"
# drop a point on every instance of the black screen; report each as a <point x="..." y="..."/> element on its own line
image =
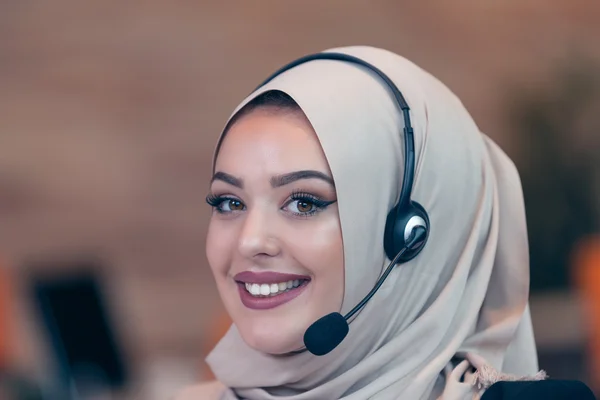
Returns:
<point x="79" y="329"/>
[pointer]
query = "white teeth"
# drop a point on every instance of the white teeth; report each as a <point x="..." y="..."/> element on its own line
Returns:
<point x="273" y="289"/>
<point x="265" y="289"/>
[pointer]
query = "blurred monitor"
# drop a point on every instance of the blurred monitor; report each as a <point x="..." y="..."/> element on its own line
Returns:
<point x="78" y="327"/>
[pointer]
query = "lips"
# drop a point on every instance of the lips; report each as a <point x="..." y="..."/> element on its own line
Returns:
<point x="248" y="282"/>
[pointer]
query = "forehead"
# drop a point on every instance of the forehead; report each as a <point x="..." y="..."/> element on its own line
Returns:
<point x="277" y="141"/>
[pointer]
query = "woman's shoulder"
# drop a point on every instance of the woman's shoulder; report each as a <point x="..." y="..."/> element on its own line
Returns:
<point x="211" y="390"/>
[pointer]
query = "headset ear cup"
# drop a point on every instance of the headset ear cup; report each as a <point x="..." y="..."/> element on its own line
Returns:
<point x="392" y="241"/>
<point x="398" y="227"/>
<point x="419" y="218"/>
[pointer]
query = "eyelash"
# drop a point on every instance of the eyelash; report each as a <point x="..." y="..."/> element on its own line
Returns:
<point x="319" y="204"/>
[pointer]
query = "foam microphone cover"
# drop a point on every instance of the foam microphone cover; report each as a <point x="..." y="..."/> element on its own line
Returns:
<point x="326" y="334"/>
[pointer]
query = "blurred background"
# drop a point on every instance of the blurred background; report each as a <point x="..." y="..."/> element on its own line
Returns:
<point x="108" y="116"/>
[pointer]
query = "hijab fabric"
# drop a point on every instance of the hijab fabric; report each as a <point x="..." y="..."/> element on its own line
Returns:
<point x="462" y="304"/>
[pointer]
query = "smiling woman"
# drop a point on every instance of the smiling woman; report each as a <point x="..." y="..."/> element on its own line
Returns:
<point x="275" y="234"/>
<point x="367" y="246"/>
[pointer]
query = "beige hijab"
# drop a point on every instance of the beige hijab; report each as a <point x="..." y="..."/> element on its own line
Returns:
<point x="462" y="304"/>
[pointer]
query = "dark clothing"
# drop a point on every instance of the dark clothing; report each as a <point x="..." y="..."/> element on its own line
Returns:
<point x="533" y="390"/>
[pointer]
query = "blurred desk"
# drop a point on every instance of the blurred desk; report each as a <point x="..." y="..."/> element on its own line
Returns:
<point x="561" y="335"/>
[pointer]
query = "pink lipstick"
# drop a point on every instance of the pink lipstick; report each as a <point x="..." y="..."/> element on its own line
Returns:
<point x="266" y="290"/>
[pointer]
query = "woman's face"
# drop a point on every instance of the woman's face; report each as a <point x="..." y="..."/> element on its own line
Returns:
<point x="274" y="241"/>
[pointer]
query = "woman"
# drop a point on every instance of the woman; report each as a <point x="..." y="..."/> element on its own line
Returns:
<point x="305" y="174"/>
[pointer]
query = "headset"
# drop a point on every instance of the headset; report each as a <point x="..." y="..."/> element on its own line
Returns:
<point x="406" y="215"/>
<point x="406" y="227"/>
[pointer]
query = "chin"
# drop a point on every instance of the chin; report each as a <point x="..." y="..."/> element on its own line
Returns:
<point x="271" y="338"/>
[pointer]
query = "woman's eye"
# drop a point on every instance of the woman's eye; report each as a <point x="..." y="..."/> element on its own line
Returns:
<point x="231" y="205"/>
<point x="301" y="206"/>
<point x="224" y="204"/>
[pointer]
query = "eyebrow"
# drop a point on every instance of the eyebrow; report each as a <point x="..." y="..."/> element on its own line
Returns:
<point x="227" y="178"/>
<point x="276" y="181"/>
<point x="286" y="179"/>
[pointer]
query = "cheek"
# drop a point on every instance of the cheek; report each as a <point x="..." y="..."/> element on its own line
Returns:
<point x="322" y="252"/>
<point x="219" y="244"/>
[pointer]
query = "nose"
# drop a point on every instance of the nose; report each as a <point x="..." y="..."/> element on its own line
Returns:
<point x="256" y="236"/>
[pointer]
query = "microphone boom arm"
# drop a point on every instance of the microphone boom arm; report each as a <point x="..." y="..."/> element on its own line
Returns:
<point x="417" y="235"/>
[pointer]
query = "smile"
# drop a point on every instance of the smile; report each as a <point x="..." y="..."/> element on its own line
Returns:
<point x="266" y="290"/>
<point x="273" y="289"/>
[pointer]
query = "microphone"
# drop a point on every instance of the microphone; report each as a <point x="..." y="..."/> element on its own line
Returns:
<point x="328" y="332"/>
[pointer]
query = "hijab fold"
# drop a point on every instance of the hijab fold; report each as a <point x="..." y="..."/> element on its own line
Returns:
<point x="462" y="303"/>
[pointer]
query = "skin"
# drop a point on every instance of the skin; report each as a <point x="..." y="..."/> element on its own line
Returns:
<point x="258" y="226"/>
<point x="203" y="391"/>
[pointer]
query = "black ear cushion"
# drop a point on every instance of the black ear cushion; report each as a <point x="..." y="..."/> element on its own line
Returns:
<point x="391" y="240"/>
<point x="395" y="228"/>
